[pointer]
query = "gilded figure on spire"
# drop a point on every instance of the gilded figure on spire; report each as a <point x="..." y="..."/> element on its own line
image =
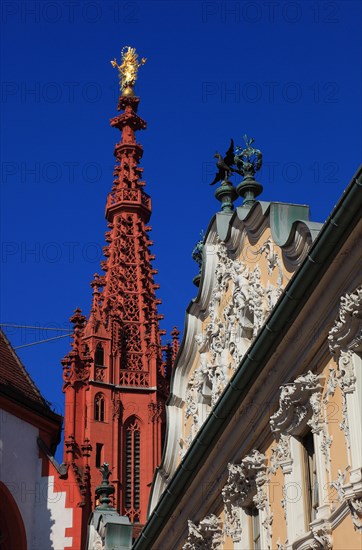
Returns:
<point x="128" y="69"/>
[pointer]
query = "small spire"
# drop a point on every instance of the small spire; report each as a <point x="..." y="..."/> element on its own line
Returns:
<point x="248" y="161"/>
<point x="78" y="319"/>
<point x="96" y="284"/>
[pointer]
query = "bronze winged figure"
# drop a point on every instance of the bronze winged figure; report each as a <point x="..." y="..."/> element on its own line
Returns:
<point x="224" y="165"/>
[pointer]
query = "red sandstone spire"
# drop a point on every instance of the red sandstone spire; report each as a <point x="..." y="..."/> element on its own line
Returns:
<point x="115" y="379"/>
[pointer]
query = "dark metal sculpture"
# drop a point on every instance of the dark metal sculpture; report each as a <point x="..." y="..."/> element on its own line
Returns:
<point x="197" y="251"/>
<point x="224" y="165"/>
<point x="197" y="255"/>
<point x="106" y="473"/>
<point x="105" y="490"/>
<point x="247" y="159"/>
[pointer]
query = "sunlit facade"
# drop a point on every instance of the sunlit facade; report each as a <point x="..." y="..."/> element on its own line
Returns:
<point x="263" y="443"/>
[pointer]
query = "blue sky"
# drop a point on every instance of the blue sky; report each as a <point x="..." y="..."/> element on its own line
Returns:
<point x="287" y="73"/>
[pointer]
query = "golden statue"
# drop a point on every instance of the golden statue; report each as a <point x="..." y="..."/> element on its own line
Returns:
<point x="128" y="69"/>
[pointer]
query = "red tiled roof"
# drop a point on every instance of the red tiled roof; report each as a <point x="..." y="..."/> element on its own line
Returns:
<point x="14" y="377"/>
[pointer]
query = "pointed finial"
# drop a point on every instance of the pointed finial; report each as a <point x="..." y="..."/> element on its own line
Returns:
<point x="128" y="69"/>
<point x="78" y="319"/>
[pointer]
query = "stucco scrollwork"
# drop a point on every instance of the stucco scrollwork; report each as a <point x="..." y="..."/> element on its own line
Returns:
<point x="322" y="536"/>
<point x="299" y="404"/>
<point x="319" y="538"/>
<point x="280" y="454"/>
<point x="232" y="326"/>
<point x="353" y="496"/>
<point x="206" y="535"/>
<point x="246" y="486"/>
<point x="331" y="384"/>
<point x="346" y="331"/>
<point x="346" y="376"/>
<point x="345" y="343"/>
<point x="338" y="484"/>
<point x="281" y="546"/>
<point x="355" y="506"/>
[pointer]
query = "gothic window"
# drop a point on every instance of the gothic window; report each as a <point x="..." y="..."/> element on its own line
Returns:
<point x="99" y="407"/>
<point x="99" y="356"/>
<point x="132" y="492"/>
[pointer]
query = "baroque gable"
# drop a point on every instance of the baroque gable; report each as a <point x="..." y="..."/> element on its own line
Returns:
<point x="248" y="257"/>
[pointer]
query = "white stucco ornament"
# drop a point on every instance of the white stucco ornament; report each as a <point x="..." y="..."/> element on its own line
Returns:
<point x="231" y="328"/>
<point x="206" y="535"/>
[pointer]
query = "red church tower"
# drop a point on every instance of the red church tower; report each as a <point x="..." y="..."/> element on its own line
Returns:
<point x="115" y="378"/>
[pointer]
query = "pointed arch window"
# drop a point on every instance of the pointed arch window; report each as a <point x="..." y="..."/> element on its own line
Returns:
<point x="99" y="407"/>
<point x="132" y="470"/>
<point x="99" y="356"/>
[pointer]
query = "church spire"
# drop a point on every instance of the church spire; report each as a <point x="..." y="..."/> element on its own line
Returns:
<point x="129" y="289"/>
<point x="119" y="408"/>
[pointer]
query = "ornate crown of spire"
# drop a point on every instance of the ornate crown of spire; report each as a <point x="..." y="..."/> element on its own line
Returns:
<point x="128" y="69"/>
